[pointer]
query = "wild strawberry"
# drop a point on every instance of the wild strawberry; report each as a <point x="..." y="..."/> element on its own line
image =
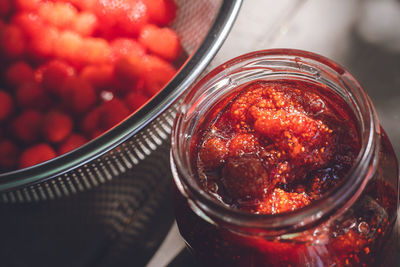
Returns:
<point x="99" y="76"/>
<point x="58" y="14"/>
<point x="157" y="73"/>
<point x="135" y="100"/>
<point x="57" y="126"/>
<point x="72" y="142"/>
<point x="133" y="19"/>
<point x="112" y="113"/>
<point x="91" y="122"/>
<point x="55" y="73"/>
<point x="78" y="95"/>
<point x="27" y="126"/>
<point x="30" y="23"/>
<point x="161" y="12"/>
<point x="6" y="105"/>
<point x="126" y="47"/>
<point x="126" y="17"/>
<point x="35" y="155"/>
<point x="68" y="46"/>
<point x="31" y="95"/>
<point x="8" y="154"/>
<point x="245" y="177"/>
<point x="43" y="44"/>
<point x="12" y="42"/>
<point x="213" y="152"/>
<point x="163" y="42"/>
<point x="280" y="201"/>
<point x="19" y="73"/>
<point x="84" y="24"/>
<point x="129" y="69"/>
<point x="95" y="51"/>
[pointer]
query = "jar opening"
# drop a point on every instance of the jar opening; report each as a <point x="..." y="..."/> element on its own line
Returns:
<point x="271" y="65"/>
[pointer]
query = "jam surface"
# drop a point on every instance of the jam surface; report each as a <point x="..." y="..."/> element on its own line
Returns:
<point x="276" y="146"/>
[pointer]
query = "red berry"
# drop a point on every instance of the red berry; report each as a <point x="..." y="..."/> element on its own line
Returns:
<point x="91" y="122"/>
<point x="135" y="100"/>
<point x="68" y="46"/>
<point x="213" y="152"/>
<point x="85" y="24"/>
<point x="43" y="44"/>
<point x="55" y="73"/>
<point x="5" y="8"/>
<point x="8" y="154"/>
<point x="131" y="21"/>
<point x="28" y="5"/>
<point x="19" y="73"/>
<point x="36" y="154"/>
<point x="126" y="47"/>
<point x="12" y="41"/>
<point x="99" y="76"/>
<point x="58" y="14"/>
<point x="161" y="12"/>
<point x="163" y="42"/>
<point x="31" y="95"/>
<point x="156" y="75"/>
<point x="124" y="17"/>
<point x="6" y="105"/>
<point x="27" y="126"/>
<point x="95" y="50"/>
<point x="112" y="113"/>
<point x="129" y="69"/>
<point x="244" y="177"/>
<point x="78" y="95"/>
<point x="30" y="23"/>
<point x="72" y="142"/>
<point x="57" y="126"/>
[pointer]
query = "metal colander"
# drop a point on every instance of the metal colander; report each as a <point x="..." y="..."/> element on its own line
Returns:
<point x="126" y="213"/>
<point x="202" y="26"/>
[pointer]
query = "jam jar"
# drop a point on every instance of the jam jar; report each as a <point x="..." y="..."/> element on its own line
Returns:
<point x="278" y="159"/>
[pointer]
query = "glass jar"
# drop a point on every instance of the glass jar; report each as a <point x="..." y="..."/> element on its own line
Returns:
<point x="322" y="234"/>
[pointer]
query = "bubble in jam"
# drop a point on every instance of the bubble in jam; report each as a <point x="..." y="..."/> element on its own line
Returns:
<point x="277" y="146"/>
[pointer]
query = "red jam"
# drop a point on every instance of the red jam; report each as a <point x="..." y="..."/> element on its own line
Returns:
<point x="277" y="147"/>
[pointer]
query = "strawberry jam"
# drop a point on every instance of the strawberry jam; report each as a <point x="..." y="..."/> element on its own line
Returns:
<point x="277" y="147"/>
<point x="283" y="170"/>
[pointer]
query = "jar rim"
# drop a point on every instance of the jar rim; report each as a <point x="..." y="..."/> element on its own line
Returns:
<point x="334" y="201"/>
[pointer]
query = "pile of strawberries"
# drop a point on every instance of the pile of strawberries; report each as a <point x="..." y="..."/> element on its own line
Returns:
<point x="72" y="69"/>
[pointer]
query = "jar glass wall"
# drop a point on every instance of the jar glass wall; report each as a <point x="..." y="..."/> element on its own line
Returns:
<point x="352" y="225"/>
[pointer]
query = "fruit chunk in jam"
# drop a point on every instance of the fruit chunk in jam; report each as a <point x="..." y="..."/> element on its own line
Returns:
<point x="277" y="146"/>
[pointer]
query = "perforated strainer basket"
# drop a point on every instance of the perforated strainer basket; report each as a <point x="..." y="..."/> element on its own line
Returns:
<point x="202" y="25"/>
